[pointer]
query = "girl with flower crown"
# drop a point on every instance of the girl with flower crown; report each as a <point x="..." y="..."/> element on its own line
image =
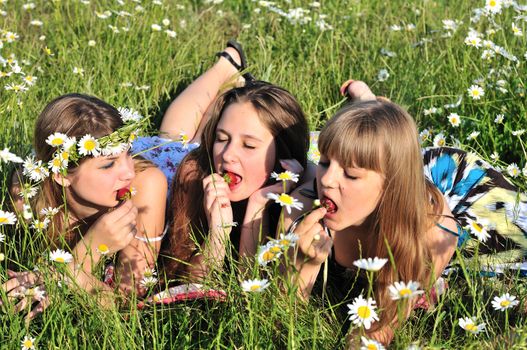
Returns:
<point x="84" y="166"/>
<point x="383" y="197"/>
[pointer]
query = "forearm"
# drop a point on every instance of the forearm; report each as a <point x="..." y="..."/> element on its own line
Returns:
<point x="306" y="277"/>
<point x="212" y="254"/>
<point x="133" y="261"/>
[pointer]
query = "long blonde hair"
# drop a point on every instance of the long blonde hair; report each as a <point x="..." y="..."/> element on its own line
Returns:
<point x="381" y="136"/>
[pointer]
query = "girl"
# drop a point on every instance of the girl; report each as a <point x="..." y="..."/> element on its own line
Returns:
<point x="252" y="131"/>
<point x="91" y="220"/>
<point x="378" y="201"/>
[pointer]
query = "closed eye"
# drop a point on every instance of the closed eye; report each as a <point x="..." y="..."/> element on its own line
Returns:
<point x="109" y="165"/>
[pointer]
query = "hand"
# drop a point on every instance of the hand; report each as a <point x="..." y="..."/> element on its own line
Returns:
<point x="28" y="289"/>
<point x="115" y="229"/>
<point x="357" y="90"/>
<point x="313" y="243"/>
<point x="217" y="204"/>
<point x="259" y="198"/>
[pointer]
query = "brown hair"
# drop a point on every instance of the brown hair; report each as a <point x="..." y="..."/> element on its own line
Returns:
<point x="74" y="115"/>
<point x="381" y="136"/>
<point x="279" y="111"/>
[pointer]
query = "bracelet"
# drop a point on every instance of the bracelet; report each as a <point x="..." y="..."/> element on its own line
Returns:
<point x="153" y="239"/>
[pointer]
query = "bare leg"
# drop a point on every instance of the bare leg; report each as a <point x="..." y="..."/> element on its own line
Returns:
<point x="186" y="112"/>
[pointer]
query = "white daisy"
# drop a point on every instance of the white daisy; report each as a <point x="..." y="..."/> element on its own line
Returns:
<point x="401" y="290"/>
<point x="156" y="27"/>
<point x="476" y="92"/>
<point x="286" y="201"/>
<point x="16" y="87"/>
<point x="362" y="312"/>
<point x="449" y="24"/>
<point x="473" y="40"/>
<point x="149" y="282"/>
<point x="49" y="211"/>
<point x="513" y="170"/>
<point x="431" y="110"/>
<point x="454" y="119"/>
<point x="285" y="176"/>
<point x="469" y="324"/>
<point x="269" y="252"/>
<point x="504" y="302"/>
<point x="166" y="22"/>
<point x="516" y="30"/>
<point x="114" y="149"/>
<point x="40" y="224"/>
<point x="28" y="343"/>
<point x="56" y="165"/>
<point x="524" y="170"/>
<point x="78" y="71"/>
<point x="38" y="293"/>
<point x="424" y="135"/>
<point x="495" y="156"/>
<point x="27" y="214"/>
<point x="149" y="272"/>
<point x="499" y="119"/>
<point x="478" y="230"/>
<point x="7" y="218"/>
<point x="170" y="33"/>
<point x="439" y="140"/>
<point x="2" y="257"/>
<point x="288" y="240"/>
<point x="57" y="139"/>
<point x="383" y="75"/>
<point x="255" y="285"/>
<point x="6" y="157"/>
<point x="2" y="237"/>
<point x="370" y="344"/>
<point x="60" y="256"/>
<point x="88" y="145"/>
<point x="370" y="264"/>
<point x="91" y="43"/>
<point x="129" y="114"/>
<point x="10" y="37"/>
<point x="473" y="135"/>
<point x="518" y="132"/>
<point x="30" y="80"/>
<point x="103" y="249"/>
<point x="184" y="138"/>
<point x="493" y="6"/>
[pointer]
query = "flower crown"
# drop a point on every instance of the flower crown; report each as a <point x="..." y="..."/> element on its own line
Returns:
<point x="69" y="150"/>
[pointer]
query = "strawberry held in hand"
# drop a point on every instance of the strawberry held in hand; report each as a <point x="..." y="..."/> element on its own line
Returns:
<point x="229" y="177"/>
<point x="124" y="194"/>
<point x="330" y="206"/>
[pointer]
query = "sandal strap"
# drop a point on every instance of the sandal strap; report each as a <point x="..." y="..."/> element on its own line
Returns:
<point x="230" y="59"/>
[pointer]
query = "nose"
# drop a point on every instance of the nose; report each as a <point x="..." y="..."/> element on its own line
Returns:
<point x="128" y="170"/>
<point x="229" y="153"/>
<point x="329" y="175"/>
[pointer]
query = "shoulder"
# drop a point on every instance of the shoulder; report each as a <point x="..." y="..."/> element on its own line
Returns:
<point x="151" y="182"/>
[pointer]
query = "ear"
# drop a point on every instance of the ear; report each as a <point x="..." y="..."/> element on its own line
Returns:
<point x="61" y="180"/>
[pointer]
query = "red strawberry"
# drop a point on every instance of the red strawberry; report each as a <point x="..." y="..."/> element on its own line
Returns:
<point x="229" y="178"/>
<point x="124" y="194"/>
<point x="330" y="206"/>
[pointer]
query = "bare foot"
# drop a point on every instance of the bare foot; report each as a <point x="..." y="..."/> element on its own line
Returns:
<point x="357" y="90"/>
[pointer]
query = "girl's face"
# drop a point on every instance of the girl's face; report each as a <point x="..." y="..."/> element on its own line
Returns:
<point x="355" y="192"/>
<point x="97" y="180"/>
<point x="245" y="148"/>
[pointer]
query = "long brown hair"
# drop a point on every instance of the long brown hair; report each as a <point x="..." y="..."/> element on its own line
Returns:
<point x="381" y="136"/>
<point x="279" y="111"/>
<point x="74" y="115"/>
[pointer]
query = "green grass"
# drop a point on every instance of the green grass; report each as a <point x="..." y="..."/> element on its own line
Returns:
<point x="311" y="63"/>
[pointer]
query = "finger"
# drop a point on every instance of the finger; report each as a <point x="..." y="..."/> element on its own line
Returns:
<point x="21" y="305"/>
<point x="127" y="218"/>
<point x="292" y="165"/>
<point x="120" y="210"/>
<point x="213" y="178"/>
<point x="10" y="285"/>
<point x="38" y="309"/>
<point x="311" y="219"/>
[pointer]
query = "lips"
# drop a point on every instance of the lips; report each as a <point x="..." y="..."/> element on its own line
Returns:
<point x="330" y="206"/>
<point x="232" y="179"/>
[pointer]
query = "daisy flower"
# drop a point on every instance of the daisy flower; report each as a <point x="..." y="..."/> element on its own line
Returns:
<point x="269" y="252"/>
<point x="6" y="157"/>
<point x="383" y="75"/>
<point x="524" y="170"/>
<point x="473" y="40"/>
<point x="518" y="132"/>
<point x="57" y="139"/>
<point x="166" y="22"/>
<point x="88" y="145"/>
<point x="149" y="282"/>
<point x="431" y="110"/>
<point x="286" y="201"/>
<point x="7" y="218"/>
<point x="60" y="256"/>
<point x="40" y="224"/>
<point x="38" y="293"/>
<point x="255" y="285"/>
<point x="114" y="149"/>
<point x="170" y="33"/>
<point x="79" y="71"/>
<point x="156" y="27"/>
<point x="493" y="6"/>
<point x="2" y="257"/>
<point x="27" y="214"/>
<point x="401" y="290"/>
<point x="36" y="23"/>
<point x="56" y="165"/>
<point x="2" y="237"/>
<point x="91" y="43"/>
<point x="478" y="230"/>
<point x="16" y="87"/>
<point x="424" y="135"/>
<point x="103" y="249"/>
<point x="469" y="324"/>
<point x="285" y="176"/>
<point x="454" y="119"/>
<point x="149" y="272"/>
<point x="28" y="343"/>
<point x="10" y="37"/>
<point x="129" y="114"/>
<point x="370" y="264"/>
<point x="30" y="80"/>
<point x="504" y="302"/>
<point x="288" y="240"/>
<point x="362" y="312"/>
<point x="513" y="170"/>
<point x="439" y="140"/>
<point x="499" y="119"/>
<point x="49" y="211"/>
<point x="184" y="139"/>
<point x="516" y="30"/>
<point x="370" y="344"/>
<point x="473" y="135"/>
<point x="476" y="92"/>
<point x="494" y="156"/>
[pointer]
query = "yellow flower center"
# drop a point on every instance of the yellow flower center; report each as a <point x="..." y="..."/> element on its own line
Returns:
<point x="441" y="142"/>
<point x="89" y="145"/>
<point x="471" y="327"/>
<point x="372" y="347"/>
<point x="364" y="312"/>
<point x="57" y="162"/>
<point x="3" y="220"/>
<point x="184" y="138"/>
<point x="60" y="259"/>
<point x="475" y="92"/>
<point x="65" y="155"/>
<point x="284" y="176"/>
<point x="16" y="87"/>
<point x="255" y="288"/>
<point x="28" y="343"/>
<point x="268" y="255"/>
<point x="275" y="249"/>
<point x="405" y="292"/>
<point x="477" y="226"/>
<point x="492" y="3"/>
<point x="285" y="242"/>
<point x="505" y="303"/>
<point x="57" y="141"/>
<point x="103" y="248"/>
<point x="286" y="199"/>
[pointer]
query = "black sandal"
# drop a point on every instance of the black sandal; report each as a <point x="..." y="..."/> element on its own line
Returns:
<point x="240" y="67"/>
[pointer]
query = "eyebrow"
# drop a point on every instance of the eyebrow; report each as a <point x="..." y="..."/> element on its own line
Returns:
<point x="246" y="136"/>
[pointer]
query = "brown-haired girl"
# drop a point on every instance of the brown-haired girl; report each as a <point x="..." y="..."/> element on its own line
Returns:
<point x="378" y="202"/>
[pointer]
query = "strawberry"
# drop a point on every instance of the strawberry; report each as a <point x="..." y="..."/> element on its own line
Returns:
<point x="124" y="194"/>
<point x="229" y="177"/>
<point x="330" y="206"/>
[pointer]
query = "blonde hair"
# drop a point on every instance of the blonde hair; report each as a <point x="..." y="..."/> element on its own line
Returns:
<point x="381" y="136"/>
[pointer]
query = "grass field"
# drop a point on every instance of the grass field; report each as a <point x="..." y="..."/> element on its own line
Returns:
<point x="435" y="58"/>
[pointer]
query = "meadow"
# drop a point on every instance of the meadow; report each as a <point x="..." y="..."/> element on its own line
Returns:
<point x="459" y="67"/>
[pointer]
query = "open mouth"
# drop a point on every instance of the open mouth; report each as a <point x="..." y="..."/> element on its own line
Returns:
<point x="124" y="194"/>
<point x="330" y="206"/>
<point x="232" y="179"/>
